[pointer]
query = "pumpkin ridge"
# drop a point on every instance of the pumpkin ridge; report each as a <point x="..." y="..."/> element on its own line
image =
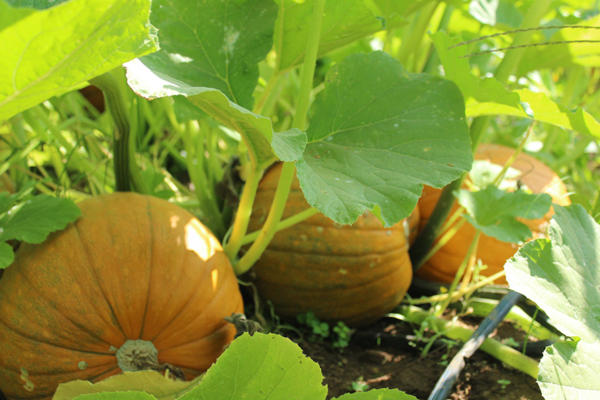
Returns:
<point x="151" y="262"/>
<point x="199" y="315"/>
<point x="95" y="273"/>
<point x="50" y="344"/>
<point x="77" y="325"/>
<point x="175" y="315"/>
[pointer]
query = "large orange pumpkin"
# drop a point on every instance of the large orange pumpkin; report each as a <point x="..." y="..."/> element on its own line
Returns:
<point x="442" y="266"/>
<point x="134" y="273"/>
<point x="352" y="273"/>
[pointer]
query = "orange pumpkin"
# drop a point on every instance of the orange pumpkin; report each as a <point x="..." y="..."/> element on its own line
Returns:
<point x="133" y="273"/>
<point x="354" y="274"/>
<point x="442" y="266"/>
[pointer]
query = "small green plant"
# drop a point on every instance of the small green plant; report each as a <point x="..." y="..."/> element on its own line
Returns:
<point x="359" y="385"/>
<point x="343" y="334"/>
<point x="320" y="329"/>
<point x="504" y="383"/>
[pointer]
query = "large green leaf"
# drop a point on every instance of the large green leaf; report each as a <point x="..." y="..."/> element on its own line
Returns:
<point x="213" y="43"/>
<point x="34" y="219"/>
<point x="151" y="382"/>
<point x="493" y="211"/>
<point x="378" y="134"/>
<point x="50" y="52"/>
<point x="261" y="367"/>
<point x="256" y="130"/>
<point x="344" y="22"/>
<point x="570" y="371"/>
<point x="39" y="4"/>
<point x="377" y="394"/>
<point x="562" y="273"/>
<point x="489" y="97"/>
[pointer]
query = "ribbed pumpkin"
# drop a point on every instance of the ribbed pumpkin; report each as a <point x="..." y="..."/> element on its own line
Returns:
<point x="442" y="267"/>
<point x="350" y="273"/>
<point x="133" y="268"/>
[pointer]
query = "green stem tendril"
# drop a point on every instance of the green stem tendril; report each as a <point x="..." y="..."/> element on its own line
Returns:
<point x="287" y="173"/>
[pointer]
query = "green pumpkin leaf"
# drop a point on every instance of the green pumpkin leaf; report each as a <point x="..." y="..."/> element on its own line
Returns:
<point x="38" y="4"/>
<point x="489" y="97"/>
<point x="377" y="394"/>
<point x="261" y="367"/>
<point x="493" y="211"/>
<point x="378" y="134"/>
<point x="213" y="44"/>
<point x="344" y="22"/>
<point x="117" y="396"/>
<point x="570" y="370"/>
<point x="153" y="383"/>
<point x="7" y="256"/>
<point x="562" y="274"/>
<point x="289" y="145"/>
<point x="33" y="220"/>
<point x="50" y="52"/>
<point x="544" y="110"/>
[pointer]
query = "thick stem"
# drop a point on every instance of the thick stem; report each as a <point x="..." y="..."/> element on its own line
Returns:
<point x="410" y="47"/>
<point x="504" y="353"/>
<point x="286" y="223"/>
<point x="269" y="229"/>
<point x="468" y="261"/>
<point x="116" y="105"/>
<point x="287" y="173"/>
<point x="242" y="217"/>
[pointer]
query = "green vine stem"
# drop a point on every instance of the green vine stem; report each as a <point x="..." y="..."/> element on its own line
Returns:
<point x="410" y="47"/>
<point x="467" y="263"/>
<point x="508" y="65"/>
<point x="242" y="216"/>
<point x="287" y="173"/>
<point x="286" y="223"/>
<point x="502" y="352"/>
<point x="116" y="105"/>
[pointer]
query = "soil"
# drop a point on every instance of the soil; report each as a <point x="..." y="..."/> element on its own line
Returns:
<point x="396" y="363"/>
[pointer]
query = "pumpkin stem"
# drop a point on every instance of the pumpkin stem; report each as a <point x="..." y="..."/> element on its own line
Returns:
<point x="139" y="355"/>
<point x="116" y="105"/>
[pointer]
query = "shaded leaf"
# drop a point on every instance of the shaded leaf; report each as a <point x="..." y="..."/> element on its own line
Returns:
<point x="39" y="4"/>
<point x="50" y="52"/>
<point x="378" y="134"/>
<point x="289" y="145"/>
<point x="213" y="44"/>
<point x="261" y="367"/>
<point x="7" y="256"/>
<point x="117" y="396"/>
<point x="151" y="382"/>
<point x="33" y="220"/>
<point x="493" y="211"/>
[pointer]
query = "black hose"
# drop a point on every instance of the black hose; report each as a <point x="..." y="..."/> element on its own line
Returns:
<point x="446" y="383"/>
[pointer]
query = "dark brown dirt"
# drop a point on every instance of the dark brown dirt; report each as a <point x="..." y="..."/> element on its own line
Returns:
<point x="396" y="364"/>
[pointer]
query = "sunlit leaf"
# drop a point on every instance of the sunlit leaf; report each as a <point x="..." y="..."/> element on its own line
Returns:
<point x="50" y="52"/>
